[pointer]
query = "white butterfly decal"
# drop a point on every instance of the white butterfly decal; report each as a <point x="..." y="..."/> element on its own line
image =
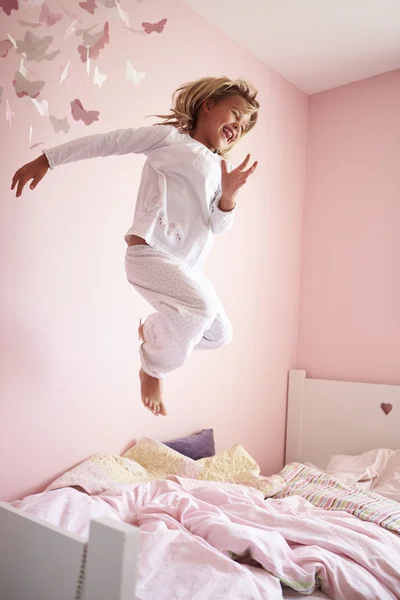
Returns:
<point x="9" y="113"/>
<point x="123" y="14"/>
<point x="132" y="75"/>
<point x="98" y="78"/>
<point x="71" y="27"/>
<point x="22" y="68"/>
<point x="14" y="43"/>
<point x="64" y="73"/>
<point x="42" y="107"/>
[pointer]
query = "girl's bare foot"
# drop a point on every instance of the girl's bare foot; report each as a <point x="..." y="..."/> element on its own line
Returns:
<point x="151" y="389"/>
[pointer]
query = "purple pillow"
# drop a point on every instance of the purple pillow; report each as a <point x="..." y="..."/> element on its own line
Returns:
<point x="195" y="446"/>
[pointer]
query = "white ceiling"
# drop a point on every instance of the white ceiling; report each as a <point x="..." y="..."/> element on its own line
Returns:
<point x="315" y="44"/>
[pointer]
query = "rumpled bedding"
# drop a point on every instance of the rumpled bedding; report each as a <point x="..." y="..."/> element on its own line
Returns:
<point x="324" y="491"/>
<point x="204" y="539"/>
<point x="377" y="471"/>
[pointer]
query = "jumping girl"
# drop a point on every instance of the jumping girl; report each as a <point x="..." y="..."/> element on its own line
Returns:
<point x="187" y="194"/>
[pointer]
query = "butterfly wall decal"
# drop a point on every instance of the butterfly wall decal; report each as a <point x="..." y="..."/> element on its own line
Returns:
<point x="24" y="87"/>
<point x="132" y="75"/>
<point x="35" y="47"/>
<point x="64" y="72"/>
<point x="154" y="27"/>
<point x="80" y="114"/>
<point x="29" y="24"/>
<point x="10" y="115"/>
<point x="48" y="17"/>
<point x="42" y="107"/>
<point x="59" y="124"/>
<point x="90" y="6"/>
<point x="92" y="44"/>
<point x="98" y="78"/>
<point x="5" y="47"/>
<point x="124" y="16"/>
<point x="9" y="5"/>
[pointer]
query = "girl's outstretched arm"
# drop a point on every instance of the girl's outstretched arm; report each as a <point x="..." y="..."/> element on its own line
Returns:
<point x="120" y="141"/>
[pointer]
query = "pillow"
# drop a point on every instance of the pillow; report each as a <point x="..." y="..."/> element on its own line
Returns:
<point x="195" y="446"/>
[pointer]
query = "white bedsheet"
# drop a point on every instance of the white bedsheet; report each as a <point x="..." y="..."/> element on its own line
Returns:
<point x="377" y="471"/>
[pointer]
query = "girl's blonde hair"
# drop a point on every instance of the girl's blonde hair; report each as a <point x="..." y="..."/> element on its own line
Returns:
<point x="188" y="98"/>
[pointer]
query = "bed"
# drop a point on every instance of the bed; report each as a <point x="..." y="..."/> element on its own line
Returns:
<point x="80" y="539"/>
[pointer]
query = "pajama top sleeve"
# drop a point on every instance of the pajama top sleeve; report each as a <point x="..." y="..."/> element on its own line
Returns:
<point x="221" y="221"/>
<point x="120" y="141"/>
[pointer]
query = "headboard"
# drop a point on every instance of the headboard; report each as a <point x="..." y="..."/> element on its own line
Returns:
<point x="337" y="417"/>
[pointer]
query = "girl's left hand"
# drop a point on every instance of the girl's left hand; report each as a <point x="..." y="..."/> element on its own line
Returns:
<point x="233" y="181"/>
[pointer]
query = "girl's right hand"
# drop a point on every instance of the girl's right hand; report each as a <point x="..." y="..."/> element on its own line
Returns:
<point x="35" y="170"/>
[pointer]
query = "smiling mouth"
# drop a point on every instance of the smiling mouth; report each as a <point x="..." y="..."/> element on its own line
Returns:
<point x="228" y="134"/>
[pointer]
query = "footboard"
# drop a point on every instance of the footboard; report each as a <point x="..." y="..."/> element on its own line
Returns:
<point x="39" y="561"/>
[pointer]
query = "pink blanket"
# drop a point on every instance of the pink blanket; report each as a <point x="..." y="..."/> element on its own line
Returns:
<point x="193" y="533"/>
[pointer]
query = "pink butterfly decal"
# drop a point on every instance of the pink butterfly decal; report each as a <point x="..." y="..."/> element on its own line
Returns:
<point x="92" y="50"/>
<point x="28" y="24"/>
<point x="24" y="87"/>
<point x="9" y="5"/>
<point x="80" y="114"/>
<point x="5" y="46"/>
<point x="48" y="17"/>
<point x="35" y="47"/>
<point x="89" y="5"/>
<point x="59" y="124"/>
<point x="157" y="27"/>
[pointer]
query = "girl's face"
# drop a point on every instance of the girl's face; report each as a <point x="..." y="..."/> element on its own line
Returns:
<point x="220" y="124"/>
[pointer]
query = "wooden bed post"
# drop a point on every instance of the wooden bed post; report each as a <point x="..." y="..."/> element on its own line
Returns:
<point x="111" y="561"/>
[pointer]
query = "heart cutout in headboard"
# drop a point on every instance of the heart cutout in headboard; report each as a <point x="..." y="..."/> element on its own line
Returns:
<point x="386" y="407"/>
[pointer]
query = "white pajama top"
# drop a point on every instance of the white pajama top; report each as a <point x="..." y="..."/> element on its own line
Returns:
<point x="177" y="203"/>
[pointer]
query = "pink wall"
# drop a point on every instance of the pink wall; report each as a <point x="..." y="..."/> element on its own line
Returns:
<point x="350" y="293"/>
<point x="68" y="350"/>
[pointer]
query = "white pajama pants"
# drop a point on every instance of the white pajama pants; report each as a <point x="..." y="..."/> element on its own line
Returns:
<point x="189" y="315"/>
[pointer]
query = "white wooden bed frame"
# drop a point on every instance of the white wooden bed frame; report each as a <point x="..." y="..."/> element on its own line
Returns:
<point x="41" y="562"/>
<point x="338" y="417"/>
